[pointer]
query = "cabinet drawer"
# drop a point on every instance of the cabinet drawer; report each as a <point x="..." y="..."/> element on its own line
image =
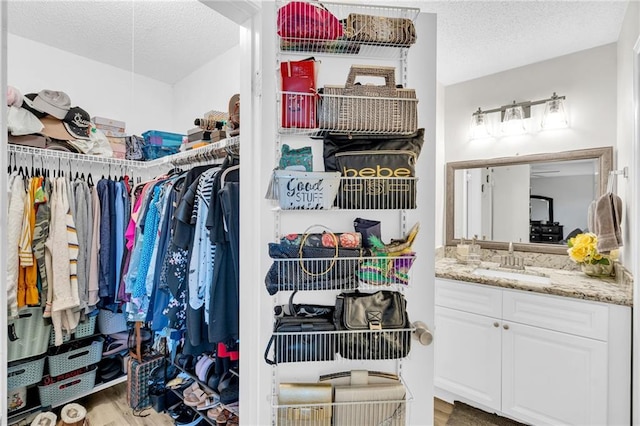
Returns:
<point x="572" y="316"/>
<point x="474" y="298"/>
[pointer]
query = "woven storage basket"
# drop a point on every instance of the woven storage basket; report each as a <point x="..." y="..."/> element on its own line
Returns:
<point x="78" y="358"/>
<point x="32" y="335"/>
<point x="307" y="190"/>
<point x="369" y="108"/>
<point x="64" y="390"/>
<point x="25" y="373"/>
<point x="111" y="322"/>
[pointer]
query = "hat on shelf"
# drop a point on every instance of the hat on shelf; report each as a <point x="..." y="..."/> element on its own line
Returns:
<point x="27" y="103"/>
<point x="52" y="102"/>
<point x="76" y="124"/>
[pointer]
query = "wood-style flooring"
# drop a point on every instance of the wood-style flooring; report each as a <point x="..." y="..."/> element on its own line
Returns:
<point x="110" y="408"/>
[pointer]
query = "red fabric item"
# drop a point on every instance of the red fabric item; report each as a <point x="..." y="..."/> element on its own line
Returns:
<point x="298" y="19"/>
<point x="299" y="103"/>
<point x="224" y="353"/>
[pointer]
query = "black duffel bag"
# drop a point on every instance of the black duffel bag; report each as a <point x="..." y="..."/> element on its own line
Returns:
<point x="304" y="333"/>
<point x="382" y="321"/>
<point x="381" y="169"/>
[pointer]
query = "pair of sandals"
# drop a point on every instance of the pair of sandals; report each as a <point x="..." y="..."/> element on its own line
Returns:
<point x="195" y="397"/>
<point x="116" y="343"/>
<point x="223" y="417"/>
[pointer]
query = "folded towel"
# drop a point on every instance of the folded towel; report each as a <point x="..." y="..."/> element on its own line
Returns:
<point x="607" y="217"/>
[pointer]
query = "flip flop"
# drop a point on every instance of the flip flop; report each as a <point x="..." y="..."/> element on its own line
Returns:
<point x="209" y="402"/>
<point x="191" y="389"/>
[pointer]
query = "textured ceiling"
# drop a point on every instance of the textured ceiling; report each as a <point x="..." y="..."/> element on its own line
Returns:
<point x="170" y="39"/>
<point x="174" y="38"/>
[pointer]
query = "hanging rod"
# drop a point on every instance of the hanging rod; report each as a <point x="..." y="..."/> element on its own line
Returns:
<point x="207" y="153"/>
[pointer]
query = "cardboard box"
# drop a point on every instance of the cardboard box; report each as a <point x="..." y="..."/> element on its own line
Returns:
<point x="118" y="146"/>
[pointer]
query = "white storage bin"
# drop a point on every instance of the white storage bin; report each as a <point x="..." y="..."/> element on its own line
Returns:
<point x="306" y="190"/>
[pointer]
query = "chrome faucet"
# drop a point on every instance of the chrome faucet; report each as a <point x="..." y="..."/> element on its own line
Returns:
<point x="510" y="260"/>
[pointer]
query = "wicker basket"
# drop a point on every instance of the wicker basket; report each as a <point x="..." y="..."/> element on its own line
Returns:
<point x="78" y="358"/>
<point x="56" y="393"/>
<point x="369" y="108"/>
<point x="32" y="335"/>
<point x="111" y="322"/>
<point x="25" y="373"/>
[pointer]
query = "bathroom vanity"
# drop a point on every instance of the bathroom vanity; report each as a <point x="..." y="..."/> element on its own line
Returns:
<point x="542" y="346"/>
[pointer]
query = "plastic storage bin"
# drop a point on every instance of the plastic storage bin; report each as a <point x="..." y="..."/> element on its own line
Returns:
<point x="306" y="190"/>
<point x="16" y="399"/>
<point x="55" y="393"/>
<point x="152" y="152"/>
<point x="111" y="322"/>
<point x="25" y="373"/>
<point x="84" y="329"/>
<point x="31" y="332"/>
<point x="77" y="358"/>
<point x="155" y="137"/>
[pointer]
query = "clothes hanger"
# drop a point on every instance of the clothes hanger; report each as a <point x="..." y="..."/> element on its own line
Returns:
<point x="226" y="171"/>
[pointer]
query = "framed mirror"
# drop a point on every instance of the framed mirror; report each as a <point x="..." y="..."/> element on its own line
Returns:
<point x="534" y="201"/>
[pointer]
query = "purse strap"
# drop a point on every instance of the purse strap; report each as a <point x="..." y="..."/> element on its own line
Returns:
<point x="266" y="352"/>
<point x="300" y="254"/>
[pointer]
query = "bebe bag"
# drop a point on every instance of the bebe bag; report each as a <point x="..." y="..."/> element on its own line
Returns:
<point x="383" y="320"/>
<point x="381" y="169"/>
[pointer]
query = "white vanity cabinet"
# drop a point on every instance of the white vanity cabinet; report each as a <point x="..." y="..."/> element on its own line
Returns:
<point x="537" y="358"/>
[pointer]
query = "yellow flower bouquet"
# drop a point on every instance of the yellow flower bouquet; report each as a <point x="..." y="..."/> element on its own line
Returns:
<point x="583" y="250"/>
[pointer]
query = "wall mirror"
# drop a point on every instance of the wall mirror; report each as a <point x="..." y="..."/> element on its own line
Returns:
<point x="535" y="201"/>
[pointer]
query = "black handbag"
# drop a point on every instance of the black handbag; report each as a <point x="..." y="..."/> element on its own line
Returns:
<point x="383" y="321"/>
<point x="325" y="268"/>
<point x="362" y="157"/>
<point x="305" y="334"/>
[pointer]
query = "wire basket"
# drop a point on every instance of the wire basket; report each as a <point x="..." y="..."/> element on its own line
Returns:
<point x="65" y="390"/>
<point x="111" y="322"/>
<point x="32" y="335"/>
<point x="75" y="359"/>
<point x="25" y="373"/>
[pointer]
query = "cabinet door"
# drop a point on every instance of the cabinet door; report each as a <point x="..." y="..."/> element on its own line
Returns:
<point x="467" y="355"/>
<point x="553" y="378"/>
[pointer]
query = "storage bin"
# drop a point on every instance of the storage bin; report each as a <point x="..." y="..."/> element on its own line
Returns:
<point x="84" y="329"/>
<point x="111" y="322"/>
<point x="25" y="373"/>
<point x="152" y="152"/>
<point x="306" y="190"/>
<point x="31" y="332"/>
<point x="16" y="399"/>
<point x="155" y="137"/>
<point x="55" y="393"/>
<point x="77" y="358"/>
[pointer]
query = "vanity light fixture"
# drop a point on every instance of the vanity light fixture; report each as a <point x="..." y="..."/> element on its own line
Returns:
<point x="513" y="117"/>
<point x="479" y="128"/>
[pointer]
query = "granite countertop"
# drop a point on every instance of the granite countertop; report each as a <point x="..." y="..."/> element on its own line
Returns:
<point x="563" y="282"/>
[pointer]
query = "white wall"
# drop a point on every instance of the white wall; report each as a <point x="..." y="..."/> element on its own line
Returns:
<point x="208" y="88"/>
<point x="100" y="89"/>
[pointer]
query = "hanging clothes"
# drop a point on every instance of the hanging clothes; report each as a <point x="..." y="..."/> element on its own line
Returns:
<point x="17" y="197"/>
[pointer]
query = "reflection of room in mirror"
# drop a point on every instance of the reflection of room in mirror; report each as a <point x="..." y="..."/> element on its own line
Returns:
<point x="492" y="202"/>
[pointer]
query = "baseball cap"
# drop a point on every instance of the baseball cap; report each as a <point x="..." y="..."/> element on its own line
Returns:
<point x="27" y="103"/>
<point x="52" y="102"/>
<point x="75" y="125"/>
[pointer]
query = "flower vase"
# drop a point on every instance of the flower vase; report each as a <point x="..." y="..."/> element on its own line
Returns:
<point x="598" y="269"/>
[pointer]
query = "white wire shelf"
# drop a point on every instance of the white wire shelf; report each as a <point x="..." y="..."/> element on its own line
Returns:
<point x="363" y="30"/>
<point x="314" y="114"/>
<point x="373" y="411"/>
<point x="205" y="154"/>
<point x="354" y="193"/>
<point x="340" y="345"/>
<point x="340" y="273"/>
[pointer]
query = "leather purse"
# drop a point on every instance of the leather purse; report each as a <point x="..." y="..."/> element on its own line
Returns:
<point x="383" y="398"/>
<point x="383" y="320"/>
<point x="305" y="404"/>
<point x="304" y="335"/>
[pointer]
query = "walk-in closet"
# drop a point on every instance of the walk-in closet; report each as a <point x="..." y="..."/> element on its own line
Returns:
<point x="136" y="259"/>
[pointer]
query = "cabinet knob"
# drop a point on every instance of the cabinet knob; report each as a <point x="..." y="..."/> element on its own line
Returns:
<point x="506" y="326"/>
<point x="496" y="324"/>
<point x="422" y="333"/>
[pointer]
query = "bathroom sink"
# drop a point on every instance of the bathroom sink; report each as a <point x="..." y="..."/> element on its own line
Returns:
<point x="512" y="275"/>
